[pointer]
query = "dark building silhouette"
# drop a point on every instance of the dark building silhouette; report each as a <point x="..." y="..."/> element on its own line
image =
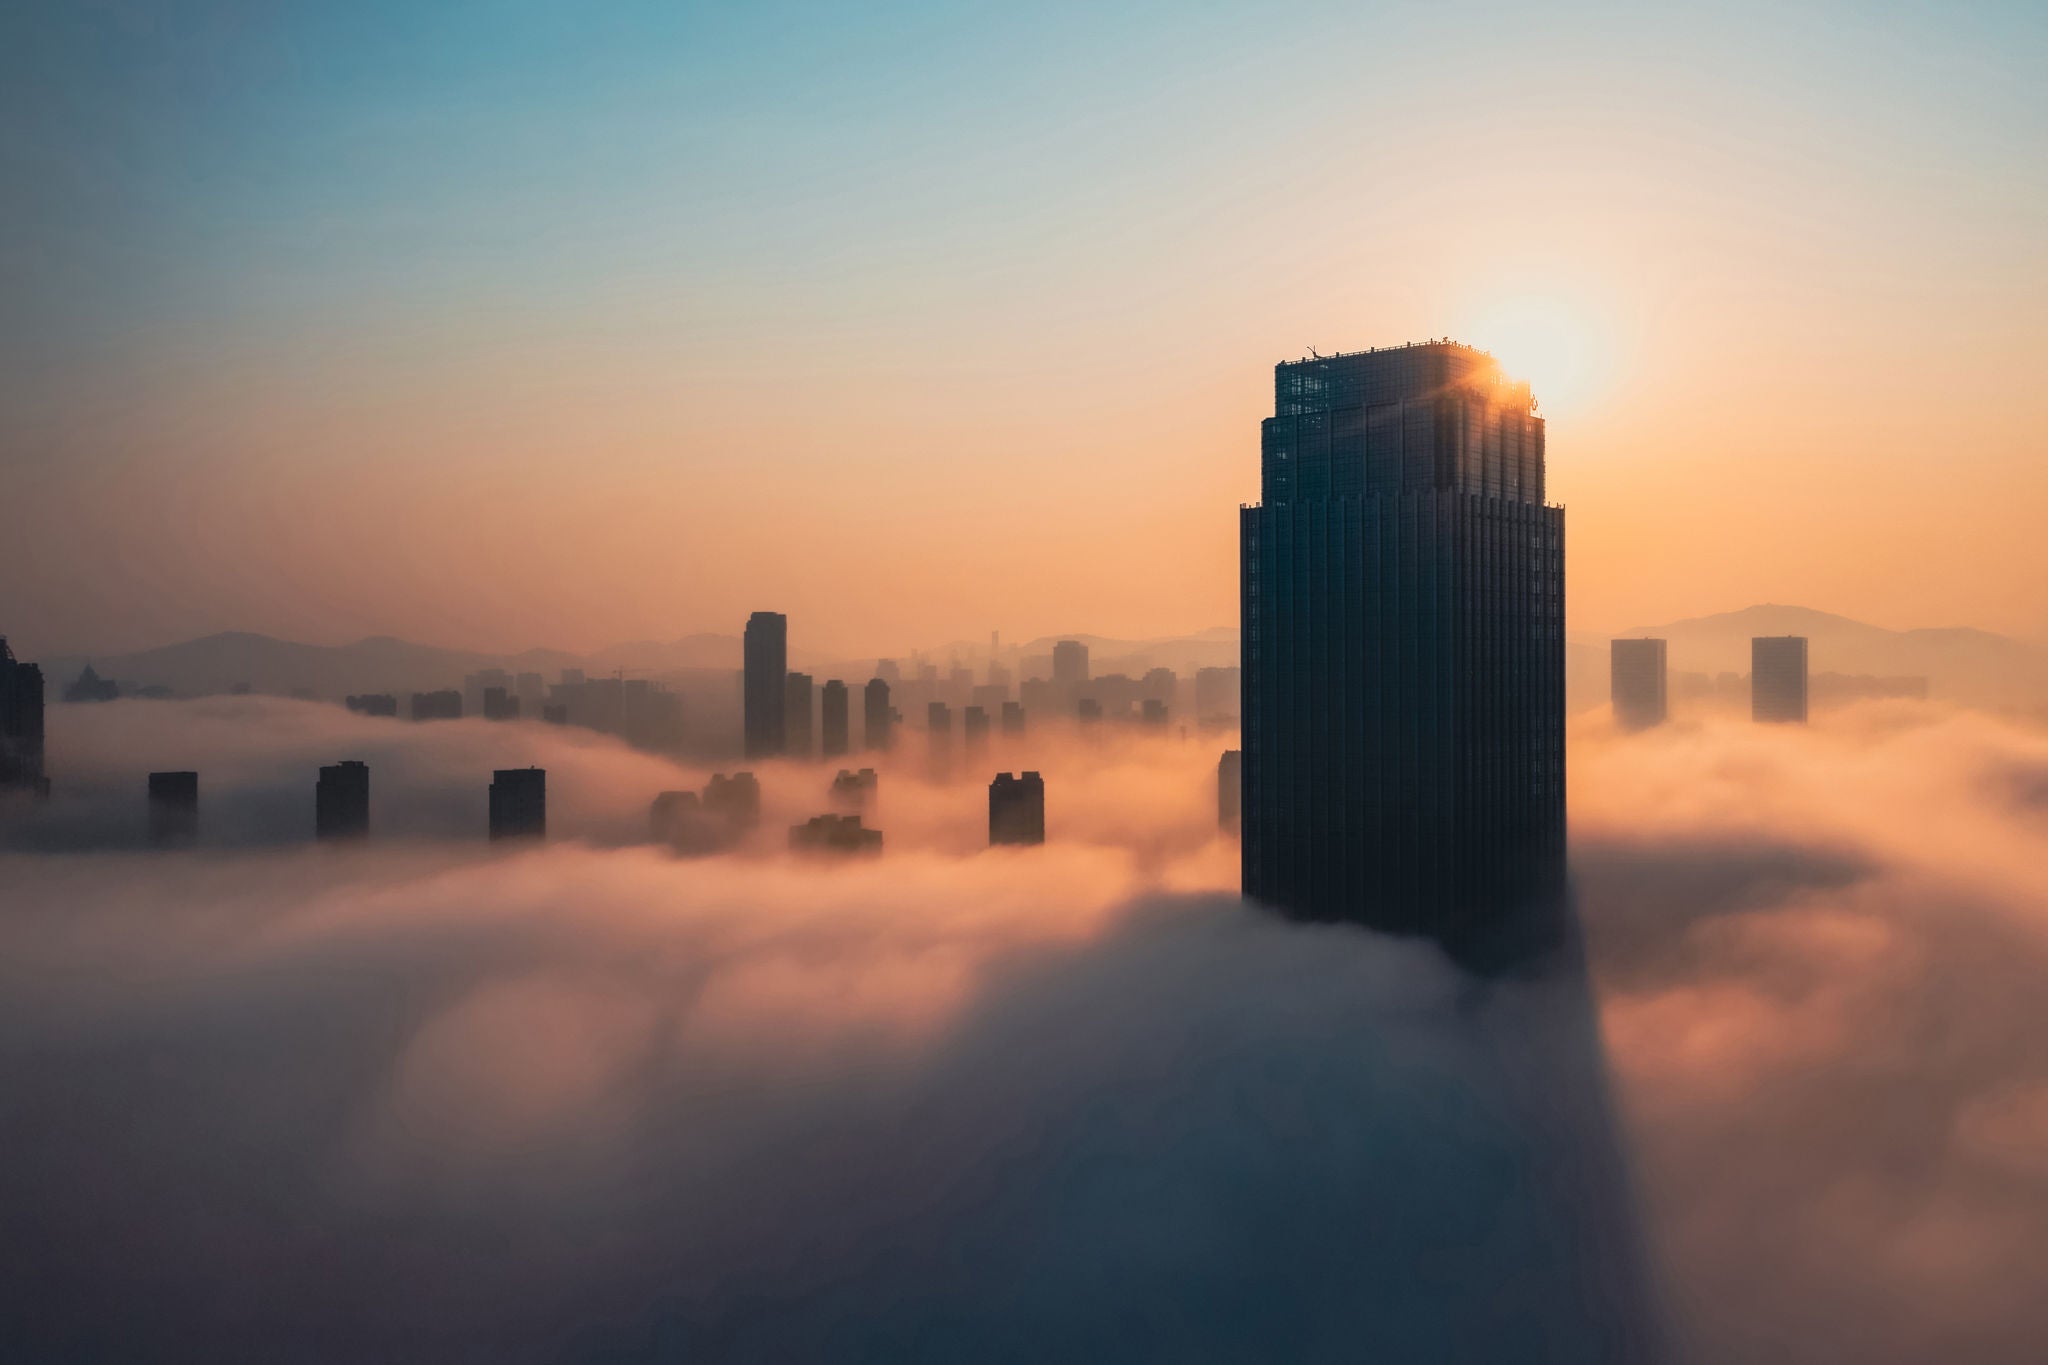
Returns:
<point x="555" y="713"/>
<point x="834" y="834"/>
<point x="938" y="735"/>
<point x="833" y="717"/>
<point x="373" y="704"/>
<point x="1403" y="646"/>
<point x="500" y="704"/>
<point x="855" y="791"/>
<point x="1089" y="711"/>
<point x="1152" y="713"/>
<point x="341" y="801"/>
<point x="90" y="686"/>
<point x="1777" y="678"/>
<point x="735" y="799"/>
<point x="519" y="803"/>
<point x="974" y="732"/>
<point x="21" y="726"/>
<point x="1230" y="791"/>
<point x="173" y="808"/>
<point x="1013" y="718"/>
<point x="796" y="718"/>
<point x="1638" y="682"/>
<point x="1070" y="664"/>
<point x="878" y="718"/>
<point x="444" y="705"/>
<point x="687" y="823"/>
<point x="764" y="686"/>
<point x="1016" y="809"/>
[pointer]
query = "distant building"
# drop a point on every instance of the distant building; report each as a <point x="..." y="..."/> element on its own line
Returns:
<point x="1152" y="714"/>
<point x="938" y="735"/>
<point x="877" y="717"/>
<point x="476" y="690"/>
<point x="796" y="716"/>
<point x="532" y="691"/>
<point x="833" y="720"/>
<point x="21" y="726"/>
<point x="1070" y="664"/>
<point x="735" y="799"/>
<point x="1016" y="809"/>
<point x="373" y="704"/>
<point x="445" y="705"/>
<point x="1777" y="678"/>
<point x="1839" y="689"/>
<point x="765" y="688"/>
<point x="855" y="791"/>
<point x="519" y="803"/>
<point x="90" y="686"/>
<point x="1638" y="683"/>
<point x="173" y="808"/>
<point x="555" y="713"/>
<point x="1089" y="711"/>
<point x="500" y="704"/>
<point x="1230" y="791"/>
<point x="834" y="834"/>
<point x="1216" y="693"/>
<point x="974" y="732"/>
<point x="990" y="697"/>
<point x="1013" y="718"/>
<point x="341" y="801"/>
<point x="685" y="822"/>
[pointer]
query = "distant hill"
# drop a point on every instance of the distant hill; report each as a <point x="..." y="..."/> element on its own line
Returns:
<point x="218" y="663"/>
<point x="1960" y="664"/>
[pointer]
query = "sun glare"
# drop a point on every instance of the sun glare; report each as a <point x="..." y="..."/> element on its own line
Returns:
<point x="1550" y="344"/>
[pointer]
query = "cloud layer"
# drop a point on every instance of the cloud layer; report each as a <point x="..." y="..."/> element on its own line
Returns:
<point x="591" y="1101"/>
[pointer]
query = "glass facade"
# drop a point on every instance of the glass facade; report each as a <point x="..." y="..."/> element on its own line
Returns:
<point x="1403" y="645"/>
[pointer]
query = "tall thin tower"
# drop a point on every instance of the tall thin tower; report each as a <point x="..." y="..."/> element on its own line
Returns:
<point x="1403" y="645"/>
<point x="764" y="689"/>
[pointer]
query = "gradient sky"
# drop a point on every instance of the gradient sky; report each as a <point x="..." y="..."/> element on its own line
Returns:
<point x="519" y="324"/>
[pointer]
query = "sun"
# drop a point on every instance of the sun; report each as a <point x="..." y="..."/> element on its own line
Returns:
<point x="1549" y="342"/>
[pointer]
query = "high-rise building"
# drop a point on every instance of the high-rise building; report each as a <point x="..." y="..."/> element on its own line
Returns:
<point x="1230" y="791"/>
<point x="1403" y="646"/>
<point x="834" y="834"/>
<point x="21" y="725"/>
<point x="832" y="719"/>
<point x="878" y="719"/>
<point x="173" y="808"/>
<point x="1777" y="678"/>
<point x="341" y="801"/>
<point x="974" y="732"/>
<point x="796" y="716"/>
<point x="1070" y="664"/>
<point x="500" y="704"/>
<point x="1638" y="682"/>
<point x="519" y="803"/>
<point x="938" y="736"/>
<point x="443" y="705"/>
<point x="373" y="704"/>
<point x="736" y="799"/>
<point x="1152" y="714"/>
<point x="765" y="688"/>
<point x="855" y="791"/>
<point x="1013" y="718"/>
<point x="1016" y="809"/>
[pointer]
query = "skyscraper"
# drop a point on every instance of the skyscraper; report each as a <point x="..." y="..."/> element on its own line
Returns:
<point x="341" y="801"/>
<point x="974" y="732"/>
<point x="1637" y="682"/>
<point x="938" y="737"/>
<point x="1403" y="645"/>
<point x="1777" y="678"/>
<point x="21" y="725"/>
<point x="832" y="719"/>
<point x="173" y="807"/>
<point x="1070" y="664"/>
<point x="1013" y="718"/>
<point x="519" y="803"/>
<point x="878" y="719"/>
<point x="796" y="717"/>
<point x="765" y="701"/>
<point x="1016" y="809"/>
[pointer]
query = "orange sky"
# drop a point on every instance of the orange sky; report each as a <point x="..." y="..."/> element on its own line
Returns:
<point x="421" y="352"/>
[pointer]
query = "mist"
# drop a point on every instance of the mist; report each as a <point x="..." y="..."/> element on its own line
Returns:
<point x="592" y="1101"/>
